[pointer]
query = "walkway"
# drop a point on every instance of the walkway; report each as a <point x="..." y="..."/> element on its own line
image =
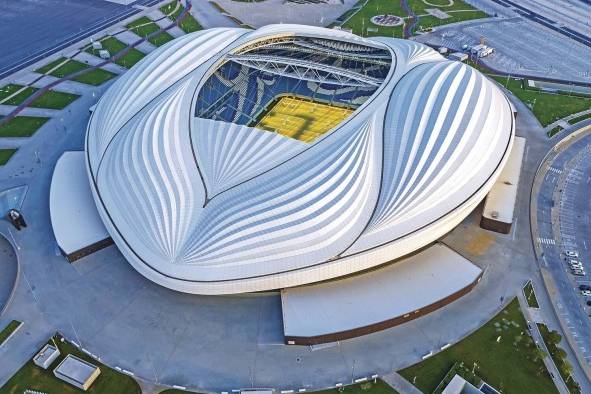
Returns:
<point x="398" y="383"/>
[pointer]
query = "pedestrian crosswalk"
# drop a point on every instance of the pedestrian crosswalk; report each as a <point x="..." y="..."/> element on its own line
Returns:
<point x="547" y="241"/>
<point x="555" y="170"/>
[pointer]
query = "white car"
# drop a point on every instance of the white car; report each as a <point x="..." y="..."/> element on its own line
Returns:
<point x="586" y="293"/>
<point x="578" y="272"/>
<point x="572" y="253"/>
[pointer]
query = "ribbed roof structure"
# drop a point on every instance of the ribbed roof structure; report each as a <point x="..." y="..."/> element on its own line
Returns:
<point x="208" y="206"/>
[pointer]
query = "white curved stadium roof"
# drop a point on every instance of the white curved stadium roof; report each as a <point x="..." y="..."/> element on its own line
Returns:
<point x="208" y="205"/>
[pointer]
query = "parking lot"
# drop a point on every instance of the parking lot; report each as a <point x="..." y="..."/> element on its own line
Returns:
<point x="521" y="47"/>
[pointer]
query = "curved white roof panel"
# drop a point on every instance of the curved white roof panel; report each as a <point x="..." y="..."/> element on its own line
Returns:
<point x="202" y="197"/>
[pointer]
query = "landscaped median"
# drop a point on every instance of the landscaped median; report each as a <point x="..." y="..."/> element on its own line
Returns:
<point x="115" y="46"/>
<point x="144" y="26"/>
<point x="5" y="155"/>
<point x="9" y="330"/>
<point x="530" y="295"/>
<point x="50" y="99"/>
<point x="32" y="377"/>
<point x="501" y="353"/>
<point x="63" y="67"/>
<point x="552" y="339"/>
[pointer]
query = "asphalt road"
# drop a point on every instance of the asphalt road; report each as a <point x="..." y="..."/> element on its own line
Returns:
<point x="33" y="29"/>
<point x="563" y="214"/>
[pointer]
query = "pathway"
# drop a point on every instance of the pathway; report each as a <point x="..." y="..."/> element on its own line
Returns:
<point x="398" y="383"/>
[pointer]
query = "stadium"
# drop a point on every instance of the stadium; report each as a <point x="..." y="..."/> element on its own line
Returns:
<point x="233" y="160"/>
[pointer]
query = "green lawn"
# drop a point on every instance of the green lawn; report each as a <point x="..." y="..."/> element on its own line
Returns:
<point x="360" y="21"/>
<point x="551" y="339"/>
<point x="5" y="155"/>
<point x="363" y="388"/>
<point x="13" y="325"/>
<point x="530" y="295"/>
<point x="508" y="365"/>
<point x="114" y="46"/>
<point x="188" y="24"/>
<point x="51" y="99"/>
<point x="32" y="377"/>
<point x="547" y="107"/>
<point x="144" y="26"/>
<point x="95" y="77"/>
<point x="22" y="126"/>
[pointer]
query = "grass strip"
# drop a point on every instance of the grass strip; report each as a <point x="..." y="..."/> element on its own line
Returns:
<point x="144" y="26"/>
<point x="189" y="24"/>
<point x="11" y="327"/>
<point x="22" y="126"/>
<point x="530" y="295"/>
<point x="5" y="155"/>
<point x="94" y="77"/>
<point x="580" y="118"/>
<point x="114" y="46"/>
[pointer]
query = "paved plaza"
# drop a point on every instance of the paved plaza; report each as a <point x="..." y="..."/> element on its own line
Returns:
<point x="225" y="342"/>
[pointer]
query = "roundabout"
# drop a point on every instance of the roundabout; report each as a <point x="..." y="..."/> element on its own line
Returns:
<point x="387" y="20"/>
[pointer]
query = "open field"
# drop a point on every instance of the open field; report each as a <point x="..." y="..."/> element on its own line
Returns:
<point x="51" y="99"/>
<point x="114" y="46"/>
<point x="361" y="21"/>
<point x="145" y="26"/>
<point x="22" y="126"/>
<point x="31" y="377"/>
<point x="94" y="77"/>
<point x="547" y="107"/>
<point x="5" y="155"/>
<point x="301" y="119"/>
<point x="503" y="352"/>
<point x="188" y="24"/>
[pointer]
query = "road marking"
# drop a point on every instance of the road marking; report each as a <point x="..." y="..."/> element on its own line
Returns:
<point x="547" y="241"/>
<point x="555" y="170"/>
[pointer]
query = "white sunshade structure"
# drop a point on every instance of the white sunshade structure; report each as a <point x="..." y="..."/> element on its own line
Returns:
<point x="200" y="200"/>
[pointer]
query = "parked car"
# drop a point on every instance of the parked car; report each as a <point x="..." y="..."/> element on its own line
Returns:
<point x="586" y="293"/>
<point x="578" y="272"/>
<point x="574" y="262"/>
<point x="589" y="303"/>
<point x="572" y="253"/>
<point x="584" y="287"/>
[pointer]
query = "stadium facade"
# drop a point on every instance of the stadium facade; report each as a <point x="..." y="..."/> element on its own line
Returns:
<point x="233" y="160"/>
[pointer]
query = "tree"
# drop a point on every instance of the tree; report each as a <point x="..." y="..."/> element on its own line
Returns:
<point x="538" y="354"/>
<point x="567" y="369"/>
<point x="554" y="337"/>
<point x="560" y="354"/>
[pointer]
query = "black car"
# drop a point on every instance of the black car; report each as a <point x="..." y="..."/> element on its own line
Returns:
<point x="589" y="303"/>
<point x="584" y="287"/>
